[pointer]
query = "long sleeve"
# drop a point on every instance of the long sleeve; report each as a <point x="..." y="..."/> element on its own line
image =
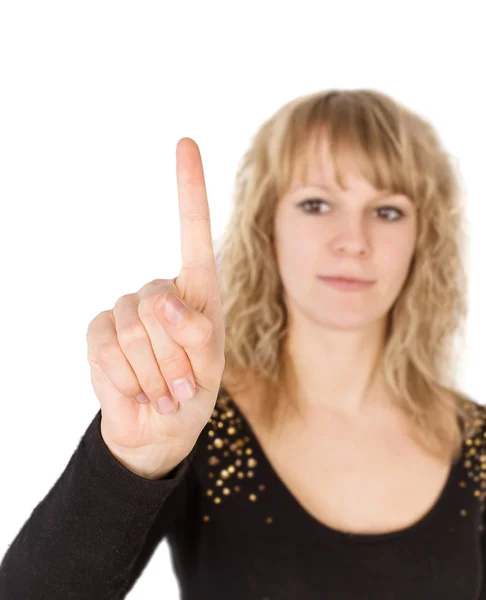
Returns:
<point x="93" y="533"/>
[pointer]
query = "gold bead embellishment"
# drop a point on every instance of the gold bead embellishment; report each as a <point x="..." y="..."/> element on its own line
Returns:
<point x="475" y="455"/>
<point x="231" y="458"/>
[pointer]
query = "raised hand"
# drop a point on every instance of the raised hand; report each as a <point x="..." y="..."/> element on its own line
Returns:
<point x="134" y="349"/>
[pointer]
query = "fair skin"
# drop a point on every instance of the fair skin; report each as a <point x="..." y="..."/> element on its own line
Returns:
<point x="336" y="337"/>
<point x="363" y="471"/>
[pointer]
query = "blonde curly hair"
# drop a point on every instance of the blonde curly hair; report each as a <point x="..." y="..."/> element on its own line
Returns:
<point x="397" y="150"/>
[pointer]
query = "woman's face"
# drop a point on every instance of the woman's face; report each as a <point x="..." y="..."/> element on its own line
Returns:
<point x="360" y="233"/>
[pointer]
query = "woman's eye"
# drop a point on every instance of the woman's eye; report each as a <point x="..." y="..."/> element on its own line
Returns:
<point x="312" y="202"/>
<point x="393" y="209"/>
<point x="315" y="202"/>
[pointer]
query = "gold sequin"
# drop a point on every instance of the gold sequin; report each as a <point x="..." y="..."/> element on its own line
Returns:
<point x="476" y="454"/>
<point x="227" y="454"/>
<point x="269" y="520"/>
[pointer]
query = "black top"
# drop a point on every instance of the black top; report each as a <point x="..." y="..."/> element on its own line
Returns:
<point x="236" y="532"/>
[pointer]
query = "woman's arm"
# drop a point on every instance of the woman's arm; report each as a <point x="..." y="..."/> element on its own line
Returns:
<point x="88" y="537"/>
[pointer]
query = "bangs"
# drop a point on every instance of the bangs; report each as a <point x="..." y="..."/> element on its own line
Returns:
<point x="360" y="137"/>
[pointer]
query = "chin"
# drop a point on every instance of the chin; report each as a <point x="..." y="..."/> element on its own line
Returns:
<point x="346" y="321"/>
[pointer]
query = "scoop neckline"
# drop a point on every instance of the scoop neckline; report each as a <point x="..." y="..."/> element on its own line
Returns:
<point x="326" y="530"/>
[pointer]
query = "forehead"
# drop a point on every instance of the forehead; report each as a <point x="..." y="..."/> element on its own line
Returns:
<point x="314" y="167"/>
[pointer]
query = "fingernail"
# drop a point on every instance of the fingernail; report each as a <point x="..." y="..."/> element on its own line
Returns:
<point x="167" y="405"/>
<point x="173" y="310"/>
<point x="183" y="389"/>
<point x="142" y="398"/>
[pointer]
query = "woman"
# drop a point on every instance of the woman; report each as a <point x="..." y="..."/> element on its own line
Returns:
<point x="325" y="451"/>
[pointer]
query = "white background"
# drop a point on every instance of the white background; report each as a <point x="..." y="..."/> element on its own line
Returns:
<point x="94" y="97"/>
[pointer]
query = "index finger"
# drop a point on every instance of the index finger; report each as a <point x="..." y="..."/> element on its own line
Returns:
<point x="196" y="239"/>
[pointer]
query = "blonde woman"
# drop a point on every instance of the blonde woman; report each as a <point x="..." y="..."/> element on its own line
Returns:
<point x="321" y="448"/>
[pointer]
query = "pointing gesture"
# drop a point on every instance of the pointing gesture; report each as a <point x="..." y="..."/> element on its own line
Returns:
<point x="157" y="370"/>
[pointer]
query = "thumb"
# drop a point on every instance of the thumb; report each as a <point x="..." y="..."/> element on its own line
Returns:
<point x="188" y="327"/>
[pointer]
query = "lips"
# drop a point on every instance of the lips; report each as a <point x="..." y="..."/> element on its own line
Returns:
<point x="347" y="285"/>
<point x="346" y="279"/>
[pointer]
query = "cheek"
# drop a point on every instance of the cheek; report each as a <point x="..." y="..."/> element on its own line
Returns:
<point x="298" y="249"/>
<point x="395" y="261"/>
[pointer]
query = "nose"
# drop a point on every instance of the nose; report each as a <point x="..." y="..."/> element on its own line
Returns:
<point x="351" y="239"/>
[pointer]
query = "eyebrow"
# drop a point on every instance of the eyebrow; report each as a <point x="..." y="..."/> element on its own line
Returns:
<point x="381" y="195"/>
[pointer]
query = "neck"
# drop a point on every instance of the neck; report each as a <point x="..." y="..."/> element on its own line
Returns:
<point x="338" y="372"/>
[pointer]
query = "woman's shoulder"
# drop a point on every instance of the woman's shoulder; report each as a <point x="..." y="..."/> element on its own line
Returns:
<point x="473" y="415"/>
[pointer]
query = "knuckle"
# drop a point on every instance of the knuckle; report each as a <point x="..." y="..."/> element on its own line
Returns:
<point x="146" y="305"/>
<point x="154" y="287"/>
<point x="94" y="322"/>
<point x="123" y="299"/>
<point x="107" y="350"/>
<point x="206" y="335"/>
<point x="132" y="333"/>
<point x="173" y="362"/>
<point x="129" y="388"/>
